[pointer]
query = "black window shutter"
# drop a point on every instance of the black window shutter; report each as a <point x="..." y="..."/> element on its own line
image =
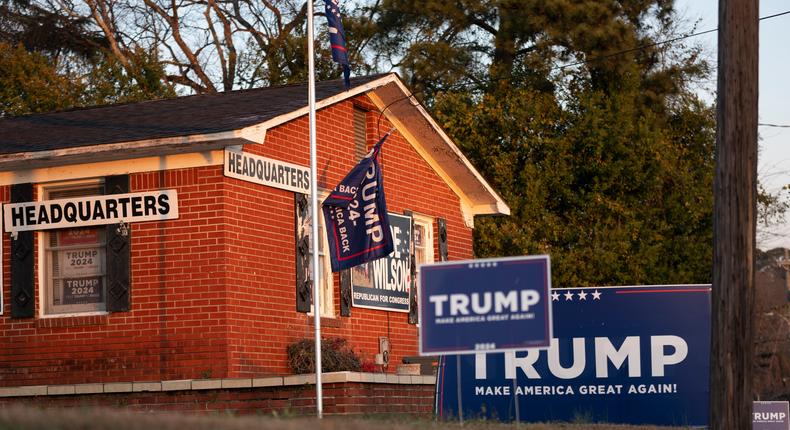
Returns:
<point x="303" y="293"/>
<point x="345" y="293"/>
<point x="119" y="255"/>
<point x="413" y="314"/>
<point x="22" y="287"/>
<point x="442" y="224"/>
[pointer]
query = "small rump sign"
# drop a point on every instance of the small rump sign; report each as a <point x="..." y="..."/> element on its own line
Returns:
<point x="770" y="415"/>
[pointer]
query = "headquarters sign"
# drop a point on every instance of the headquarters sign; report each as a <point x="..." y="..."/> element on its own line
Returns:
<point x="94" y="210"/>
<point x="267" y="171"/>
<point x="496" y="304"/>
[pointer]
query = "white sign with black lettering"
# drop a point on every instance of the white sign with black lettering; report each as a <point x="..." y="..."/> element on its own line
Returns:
<point x="79" y="262"/>
<point x="266" y="171"/>
<point x="94" y="210"/>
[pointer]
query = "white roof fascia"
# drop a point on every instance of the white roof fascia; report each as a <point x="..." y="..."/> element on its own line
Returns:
<point x="361" y="89"/>
<point x="499" y="205"/>
<point x="190" y="143"/>
<point x="494" y="204"/>
<point x="133" y="149"/>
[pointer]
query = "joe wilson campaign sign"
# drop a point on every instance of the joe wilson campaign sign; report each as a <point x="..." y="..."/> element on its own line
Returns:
<point x="485" y="305"/>
<point x="631" y="355"/>
<point x="385" y="283"/>
<point x="94" y="210"/>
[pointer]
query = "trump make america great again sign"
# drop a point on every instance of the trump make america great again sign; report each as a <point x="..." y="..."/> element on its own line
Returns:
<point x="493" y="304"/>
<point x="635" y="355"/>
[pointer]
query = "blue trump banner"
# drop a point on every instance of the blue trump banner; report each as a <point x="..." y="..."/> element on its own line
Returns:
<point x="493" y="304"/>
<point x="356" y="215"/>
<point x="629" y="355"/>
<point x="337" y="38"/>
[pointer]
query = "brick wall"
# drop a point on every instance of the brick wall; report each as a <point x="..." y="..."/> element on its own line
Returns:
<point x="213" y="293"/>
<point x="343" y="398"/>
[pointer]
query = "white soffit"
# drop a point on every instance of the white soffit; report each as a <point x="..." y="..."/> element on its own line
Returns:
<point x="433" y="144"/>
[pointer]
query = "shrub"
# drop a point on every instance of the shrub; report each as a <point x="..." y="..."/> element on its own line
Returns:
<point x="336" y="355"/>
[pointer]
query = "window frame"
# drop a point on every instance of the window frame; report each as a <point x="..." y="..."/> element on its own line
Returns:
<point x="327" y="305"/>
<point x="45" y="281"/>
<point x="2" y="294"/>
<point x="427" y="223"/>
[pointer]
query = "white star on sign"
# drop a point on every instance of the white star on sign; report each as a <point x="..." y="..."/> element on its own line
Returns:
<point x="568" y="296"/>
<point x="596" y="295"/>
<point x="582" y="296"/>
<point x="555" y="296"/>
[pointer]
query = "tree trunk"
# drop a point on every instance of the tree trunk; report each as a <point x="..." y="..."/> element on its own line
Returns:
<point x="734" y="217"/>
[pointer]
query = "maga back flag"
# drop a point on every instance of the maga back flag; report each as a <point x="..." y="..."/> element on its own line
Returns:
<point x="355" y="214"/>
<point x="337" y="38"/>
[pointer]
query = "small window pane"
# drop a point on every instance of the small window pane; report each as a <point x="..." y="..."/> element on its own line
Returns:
<point x="75" y="262"/>
<point x="327" y="307"/>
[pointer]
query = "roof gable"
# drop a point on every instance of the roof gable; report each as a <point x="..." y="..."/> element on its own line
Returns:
<point x="215" y="121"/>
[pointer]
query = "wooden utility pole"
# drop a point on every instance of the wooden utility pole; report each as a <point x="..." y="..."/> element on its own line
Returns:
<point x="735" y="190"/>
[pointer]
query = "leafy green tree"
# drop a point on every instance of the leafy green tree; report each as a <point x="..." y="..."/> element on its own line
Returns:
<point x="54" y="60"/>
<point x="33" y="82"/>
<point x="30" y="83"/>
<point x="608" y="165"/>
<point x="596" y="185"/>
<point x="107" y="80"/>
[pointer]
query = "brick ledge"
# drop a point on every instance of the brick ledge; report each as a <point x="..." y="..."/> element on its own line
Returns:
<point x="212" y="384"/>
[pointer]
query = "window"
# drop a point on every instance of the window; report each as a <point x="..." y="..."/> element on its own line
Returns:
<point x="327" y="302"/>
<point x="74" y="271"/>
<point x="423" y="244"/>
<point x="423" y="240"/>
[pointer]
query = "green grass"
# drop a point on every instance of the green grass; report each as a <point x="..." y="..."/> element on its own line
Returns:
<point x="17" y="417"/>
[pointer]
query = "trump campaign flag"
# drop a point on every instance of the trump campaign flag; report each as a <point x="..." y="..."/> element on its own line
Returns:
<point x="355" y="213"/>
<point x="337" y="38"/>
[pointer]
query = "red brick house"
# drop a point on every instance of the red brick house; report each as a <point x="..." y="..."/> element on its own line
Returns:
<point x="162" y="242"/>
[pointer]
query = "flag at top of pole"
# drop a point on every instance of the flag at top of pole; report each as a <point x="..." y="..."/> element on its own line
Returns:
<point x="337" y="38"/>
<point x="355" y="215"/>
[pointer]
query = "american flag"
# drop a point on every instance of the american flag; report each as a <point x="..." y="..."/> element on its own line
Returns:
<point x="337" y="38"/>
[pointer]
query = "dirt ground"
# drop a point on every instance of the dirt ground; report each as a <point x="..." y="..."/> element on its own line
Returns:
<point x="32" y="418"/>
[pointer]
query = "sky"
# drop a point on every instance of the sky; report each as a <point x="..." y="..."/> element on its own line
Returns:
<point x="774" y="93"/>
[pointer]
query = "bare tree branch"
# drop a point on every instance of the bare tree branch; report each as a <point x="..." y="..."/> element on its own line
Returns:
<point x="206" y="83"/>
<point x="100" y="16"/>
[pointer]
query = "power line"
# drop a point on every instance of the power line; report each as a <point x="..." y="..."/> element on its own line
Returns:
<point x="650" y="45"/>
<point x="775" y="15"/>
<point x="638" y="48"/>
<point x="603" y="57"/>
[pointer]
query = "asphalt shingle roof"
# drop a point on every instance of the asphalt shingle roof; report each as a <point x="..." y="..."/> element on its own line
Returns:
<point x="182" y="116"/>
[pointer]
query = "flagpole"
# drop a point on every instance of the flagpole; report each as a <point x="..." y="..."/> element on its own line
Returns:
<point x="319" y="401"/>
